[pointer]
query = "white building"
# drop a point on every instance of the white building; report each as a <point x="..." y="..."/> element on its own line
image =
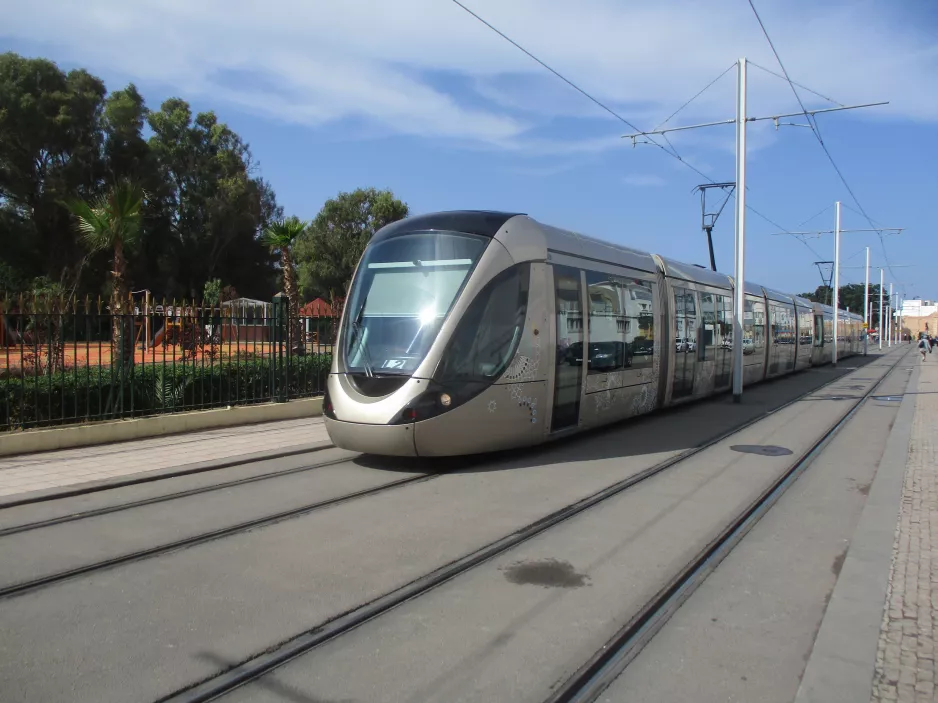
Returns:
<point x="919" y="308"/>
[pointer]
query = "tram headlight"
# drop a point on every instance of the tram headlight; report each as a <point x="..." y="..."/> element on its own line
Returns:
<point x="426" y="405"/>
<point x="432" y="402"/>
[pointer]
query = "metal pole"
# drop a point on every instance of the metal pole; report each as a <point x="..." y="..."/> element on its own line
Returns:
<point x="866" y="304"/>
<point x="836" y="277"/>
<point x="901" y="308"/>
<point x="899" y="318"/>
<point x="713" y="261"/>
<point x="739" y="293"/>
<point x="880" y="309"/>
<point x="866" y="287"/>
<point x="891" y="327"/>
<point x="146" y="322"/>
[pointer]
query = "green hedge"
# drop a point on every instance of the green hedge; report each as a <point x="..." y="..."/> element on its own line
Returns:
<point x="109" y="392"/>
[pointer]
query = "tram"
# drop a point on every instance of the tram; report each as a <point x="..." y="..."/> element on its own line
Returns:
<point x="474" y="331"/>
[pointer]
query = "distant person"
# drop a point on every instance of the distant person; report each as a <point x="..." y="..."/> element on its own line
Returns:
<point x="923" y="347"/>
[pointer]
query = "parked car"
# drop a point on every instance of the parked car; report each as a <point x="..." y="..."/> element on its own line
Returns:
<point x="602" y="355"/>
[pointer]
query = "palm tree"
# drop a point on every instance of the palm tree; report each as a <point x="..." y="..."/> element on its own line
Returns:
<point x="280" y="237"/>
<point x="112" y="222"/>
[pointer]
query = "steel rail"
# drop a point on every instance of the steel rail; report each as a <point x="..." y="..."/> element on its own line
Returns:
<point x="137" y="480"/>
<point x="108" y="509"/>
<point x="139" y="555"/>
<point x="607" y="663"/>
<point x="254" y="667"/>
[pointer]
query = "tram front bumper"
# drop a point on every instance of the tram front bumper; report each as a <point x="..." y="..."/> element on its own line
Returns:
<point x="383" y="440"/>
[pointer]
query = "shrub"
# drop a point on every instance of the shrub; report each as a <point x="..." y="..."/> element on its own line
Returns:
<point x="92" y="393"/>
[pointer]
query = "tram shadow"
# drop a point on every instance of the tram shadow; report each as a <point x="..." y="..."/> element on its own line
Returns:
<point x="662" y="432"/>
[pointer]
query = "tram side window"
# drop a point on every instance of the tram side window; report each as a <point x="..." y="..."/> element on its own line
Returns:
<point x="805" y="327"/>
<point x="758" y="319"/>
<point x="489" y="332"/>
<point x="685" y="320"/>
<point x="748" y="346"/>
<point x="638" y="305"/>
<point x="753" y="328"/>
<point x="680" y="321"/>
<point x="608" y="324"/>
<point x="725" y="321"/>
<point x="783" y="331"/>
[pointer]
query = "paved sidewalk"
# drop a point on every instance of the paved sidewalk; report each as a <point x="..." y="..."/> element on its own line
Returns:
<point x="68" y="467"/>
<point x="905" y="661"/>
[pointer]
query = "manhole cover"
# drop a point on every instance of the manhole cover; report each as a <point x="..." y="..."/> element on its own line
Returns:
<point x="890" y="398"/>
<point x="763" y="449"/>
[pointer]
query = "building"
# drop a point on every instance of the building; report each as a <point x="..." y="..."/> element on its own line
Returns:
<point x="919" y="316"/>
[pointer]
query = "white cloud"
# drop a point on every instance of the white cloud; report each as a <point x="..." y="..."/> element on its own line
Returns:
<point x="641" y="180"/>
<point x="425" y="67"/>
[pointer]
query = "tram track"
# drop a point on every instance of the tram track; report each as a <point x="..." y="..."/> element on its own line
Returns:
<point x="251" y="669"/>
<point x="153" y="500"/>
<point x="201" y="538"/>
<point x="63" y="575"/>
<point x="596" y="674"/>
<point x="95" y="487"/>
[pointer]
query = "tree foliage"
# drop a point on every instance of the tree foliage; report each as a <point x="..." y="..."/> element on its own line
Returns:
<point x="327" y="253"/>
<point x="50" y="151"/>
<point x="112" y="223"/>
<point x="211" y="292"/>
<point x="850" y="296"/>
<point x="64" y="138"/>
<point x="281" y="236"/>
<point x="212" y="209"/>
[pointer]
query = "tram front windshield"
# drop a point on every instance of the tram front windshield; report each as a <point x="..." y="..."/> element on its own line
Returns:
<point x="402" y="293"/>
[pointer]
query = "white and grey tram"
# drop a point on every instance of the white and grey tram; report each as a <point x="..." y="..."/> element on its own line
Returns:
<point x="473" y="331"/>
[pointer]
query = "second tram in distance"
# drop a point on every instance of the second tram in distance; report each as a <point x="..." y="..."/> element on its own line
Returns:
<point x="473" y="331"/>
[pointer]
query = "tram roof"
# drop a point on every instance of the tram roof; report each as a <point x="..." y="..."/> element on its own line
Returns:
<point x="485" y="223"/>
<point x="582" y="245"/>
<point x="695" y="273"/>
<point x="750" y="288"/>
<point x="802" y="302"/>
<point x="778" y="296"/>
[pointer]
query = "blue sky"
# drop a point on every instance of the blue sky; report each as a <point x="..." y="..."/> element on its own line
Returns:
<point x="419" y="97"/>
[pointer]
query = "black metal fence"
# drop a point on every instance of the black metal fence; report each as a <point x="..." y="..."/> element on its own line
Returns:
<point x="64" y="362"/>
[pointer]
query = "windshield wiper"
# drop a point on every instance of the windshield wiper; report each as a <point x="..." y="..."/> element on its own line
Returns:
<point x="360" y="338"/>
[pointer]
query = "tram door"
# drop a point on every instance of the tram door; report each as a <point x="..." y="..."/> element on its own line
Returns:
<point x="569" y="354"/>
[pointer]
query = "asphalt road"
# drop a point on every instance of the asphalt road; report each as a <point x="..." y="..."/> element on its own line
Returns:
<point x="747" y="633"/>
<point x="507" y="630"/>
<point x="516" y="626"/>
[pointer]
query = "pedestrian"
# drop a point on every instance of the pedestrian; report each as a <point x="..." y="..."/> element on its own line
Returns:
<point x="923" y="347"/>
